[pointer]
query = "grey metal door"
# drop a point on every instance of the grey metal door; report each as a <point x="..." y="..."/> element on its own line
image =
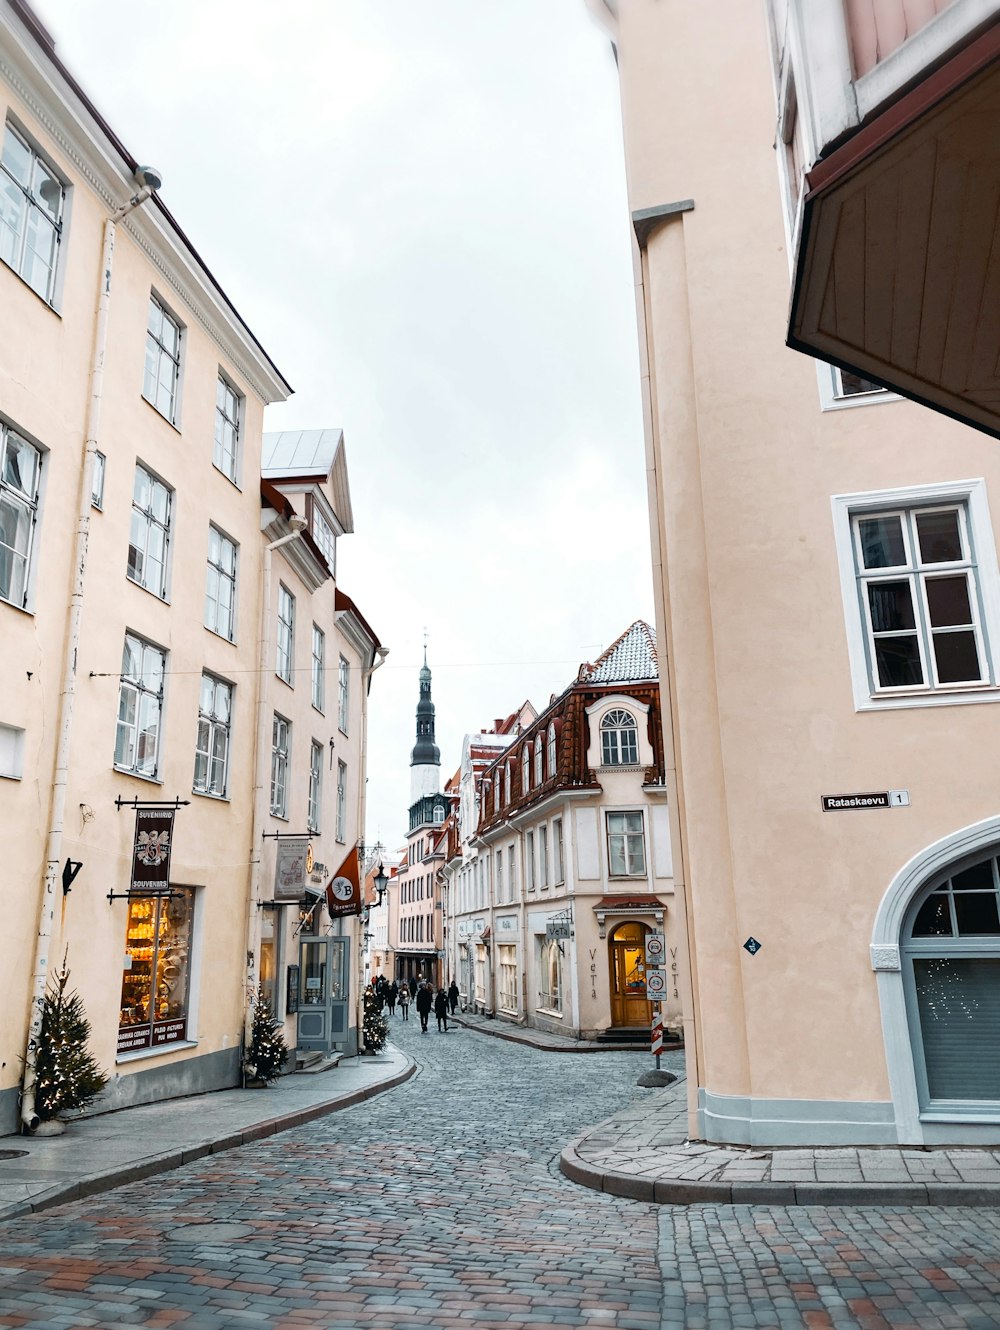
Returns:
<point x="322" y="1022"/>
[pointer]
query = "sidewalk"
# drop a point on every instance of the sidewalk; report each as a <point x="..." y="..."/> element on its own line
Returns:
<point x="642" y="1152"/>
<point x="106" y="1151"/>
<point x="551" y="1043"/>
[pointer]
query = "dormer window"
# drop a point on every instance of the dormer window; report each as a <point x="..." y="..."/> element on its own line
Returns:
<point x="506" y="783"/>
<point x="496" y="793"/>
<point x="551" y="744"/>
<point x="619" y="740"/>
<point x="325" y="537"/>
<point x="538" y="759"/>
<point x="525" y="769"/>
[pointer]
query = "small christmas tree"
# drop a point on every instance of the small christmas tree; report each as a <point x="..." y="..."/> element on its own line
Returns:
<point x="66" y="1075"/>
<point x="268" y="1052"/>
<point x="376" y="1027"/>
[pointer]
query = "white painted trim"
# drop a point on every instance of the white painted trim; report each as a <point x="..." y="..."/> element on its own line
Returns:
<point x="886" y="933"/>
<point x="970" y="492"/>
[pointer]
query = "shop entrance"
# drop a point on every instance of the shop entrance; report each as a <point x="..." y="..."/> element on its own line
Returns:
<point x="627" y="962"/>
<point x="322" y="1021"/>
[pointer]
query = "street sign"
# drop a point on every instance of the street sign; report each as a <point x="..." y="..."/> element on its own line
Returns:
<point x="656" y="984"/>
<point x="655" y="949"/>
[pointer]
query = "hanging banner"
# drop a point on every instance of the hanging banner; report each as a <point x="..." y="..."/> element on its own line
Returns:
<point x="154" y="830"/>
<point x="343" y="891"/>
<point x="290" y="867"/>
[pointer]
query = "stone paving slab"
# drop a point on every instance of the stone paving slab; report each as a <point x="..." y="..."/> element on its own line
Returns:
<point x="643" y="1152"/>
<point x="99" y="1153"/>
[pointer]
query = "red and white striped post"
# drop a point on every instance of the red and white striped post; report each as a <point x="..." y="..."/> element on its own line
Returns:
<point x="656" y="1040"/>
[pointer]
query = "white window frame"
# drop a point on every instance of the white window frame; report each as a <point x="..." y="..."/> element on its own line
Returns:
<point x="551" y="977"/>
<point x="281" y="752"/>
<point x="525" y="769"/>
<point x="143" y="522"/>
<point x="552" y="754"/>
<point x="343" y="694"/>
<point x="325" y="537"/>
<point x="315" y="786"/>
<point x="615" y="725"/>
<point x="162" y="354"/>
<point x="538" y="773"/>
<point x="630" y="839"/>
<point x="341" y="801"/>
<point x="970" y="493"/>
<point x="18" y="499"/>
<point x="215" y="728"/>
<point x="146" y="703"/>
<point x="97" y="481"/>
<point x="318" y="668"/>
<point x="216" y="574"/>
<point x="229" y="410"/>
<point x="285" y="636"/>
<point x="529" y="860"/>
<point x="30" y="199"/>
<point x="507" y="974"/>
<point x="543" y="855"/>
<point x="11" y="752"/>
<point x="558" y="852"/>
<point x="512" y="872"/>
<point x="833" y="398"/>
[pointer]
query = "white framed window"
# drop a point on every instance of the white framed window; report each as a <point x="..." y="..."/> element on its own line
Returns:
<point x="507" y="965"/>
<point x="315" y="785"/>
<point x="149" y="538"/>
<point x="529" y="861"/>
<point x="341" y="801"/>
<point x="496" y="792"/>
<point x="140" y="707"/>
<point x="325" y="537"/>
<point x="840" y="388"/>
<point x="626" y="845"/>
<point x="558" y="871"/>
<point x="228" y="412"/>
<point x="97" y="485"/>
<point x="281" y="745"/>
<point x="551" y="756"/>
<point x="921" y="594"/>
<point x="543" y="856"/>
<point x="162" y="374"/>
<point x="318" y="668"/>
<point x="19" y="488"/>
<point x="506" y="783"/>
<point x="11" y="752"/>
<point x="525" y="769"/>
<point x="539" y="776"/>
<point x="619" y="739"/>
<point x="550" y="975"/>
<point x="286" y="633"/>
<point x="32" y="205"/>
<point x="211" y="754"/>
<point x="343" y="694"/>
<point x="220" y="585"/>
<point x="512" y="872"/>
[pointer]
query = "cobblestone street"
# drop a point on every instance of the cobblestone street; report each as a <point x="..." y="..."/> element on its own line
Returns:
<point x="439" y="1204"/>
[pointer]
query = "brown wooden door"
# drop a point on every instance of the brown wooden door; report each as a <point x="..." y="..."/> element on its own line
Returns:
<point x="627" y="962"/>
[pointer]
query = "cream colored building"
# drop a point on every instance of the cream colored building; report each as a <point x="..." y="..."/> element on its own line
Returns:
<point x="131" y="407"/>
<point x="828" y="603"/>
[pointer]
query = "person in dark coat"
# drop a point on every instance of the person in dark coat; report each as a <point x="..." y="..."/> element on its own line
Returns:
<point x="453" y="997"/>
<point x="392" y="993"/>
<point x="441" y="1010"/>
<point x="425" y="1001"/>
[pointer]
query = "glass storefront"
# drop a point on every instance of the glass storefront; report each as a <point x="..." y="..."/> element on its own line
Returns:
<point x="155" y="984"/>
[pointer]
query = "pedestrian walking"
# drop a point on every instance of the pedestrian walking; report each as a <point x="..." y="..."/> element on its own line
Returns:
<point x="441" y="1010"/>
<point x="392" y="993"/>
<point x="424" y="1003"/>
<point x="453" y="996"/>
<point x="404" y="1002"/>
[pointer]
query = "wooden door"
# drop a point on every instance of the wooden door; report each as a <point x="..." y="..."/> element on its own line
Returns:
<point x="627" y="962"/>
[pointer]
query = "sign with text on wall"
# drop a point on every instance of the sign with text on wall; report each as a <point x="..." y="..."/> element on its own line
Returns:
<point x="842" y="803"/>
<point x="154" y="831"/>
<point x="290" y="860"/>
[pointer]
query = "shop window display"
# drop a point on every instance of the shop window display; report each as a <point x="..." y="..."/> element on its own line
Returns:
<point x="155" y="985"/>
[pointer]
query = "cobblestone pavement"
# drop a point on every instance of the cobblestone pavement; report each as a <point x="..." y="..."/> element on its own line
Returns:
<point x="439" y="1205"/>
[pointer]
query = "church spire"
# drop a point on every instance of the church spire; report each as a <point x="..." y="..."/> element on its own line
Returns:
<point x="425" y="759"/>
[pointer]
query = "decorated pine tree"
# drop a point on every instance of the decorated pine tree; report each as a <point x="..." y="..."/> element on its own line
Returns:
<point x="66" y="1075"/>
<point x="268" y="1052"/>
<point x="376" y="1027"/>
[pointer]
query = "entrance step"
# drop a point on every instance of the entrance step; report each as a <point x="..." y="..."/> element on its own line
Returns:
<point x="625" y="1034"/>
<point x="313" y="1062"/>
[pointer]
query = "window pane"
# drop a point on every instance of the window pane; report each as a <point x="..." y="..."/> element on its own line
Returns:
<point x="977" y="878"/>
<point x="933" y="918"/>
<point x="948" y="600"/>
<point x="897" y="660"/>
<point x="976" y="912"/>
<point x="940" y="537"/>
<point x="959" y="1004"/>
<point x="891" y="605"/>
<point x="957" y="657"/>
<point x="882" y="542"/>
<point x="16" y="158"/>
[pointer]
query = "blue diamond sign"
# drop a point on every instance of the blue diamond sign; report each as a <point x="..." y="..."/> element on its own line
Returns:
<point x="752" y="945"/>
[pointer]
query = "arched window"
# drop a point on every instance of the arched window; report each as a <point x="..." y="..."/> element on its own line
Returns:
<point x="438" y="814"/>
<point x="551" y="756"/>
<point x="525" y="769"/>
<point x="550" y="976"/>
<point x="496" y="792"/>
<point x="950" y="949"/>
<point x="619" y="741"/>
<point x="506" y="784"/>
<point x="538" y="759"/>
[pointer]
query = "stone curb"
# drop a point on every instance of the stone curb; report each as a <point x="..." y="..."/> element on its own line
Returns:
<point x="96" y="1183"/>
<point x="514" y="1038"/>
<point x="680" y="1191"/>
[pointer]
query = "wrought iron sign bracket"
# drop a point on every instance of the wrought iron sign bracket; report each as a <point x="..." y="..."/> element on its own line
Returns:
<point x="143" y="895"/>
<point x="287" y="835"/>
<point x="121" y="803"/>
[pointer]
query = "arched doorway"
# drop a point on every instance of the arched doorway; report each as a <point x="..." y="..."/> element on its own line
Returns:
<point x="627" y="968"/>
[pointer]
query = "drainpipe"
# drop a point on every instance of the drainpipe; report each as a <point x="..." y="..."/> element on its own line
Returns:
<point x="265" y="666"/>
<point x="366" y="675"/>
<point x="150" y="181"/>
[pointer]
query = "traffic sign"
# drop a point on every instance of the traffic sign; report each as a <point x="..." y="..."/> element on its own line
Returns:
<point x="655" y="949"/>
<point x="656" y="984"/>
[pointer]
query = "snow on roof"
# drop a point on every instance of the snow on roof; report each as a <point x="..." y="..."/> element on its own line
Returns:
<point x="300" y="452"/>
<point x="630" y="659"/>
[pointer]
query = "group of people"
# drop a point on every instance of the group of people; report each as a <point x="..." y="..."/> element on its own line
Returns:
<point x="421" y="993"/>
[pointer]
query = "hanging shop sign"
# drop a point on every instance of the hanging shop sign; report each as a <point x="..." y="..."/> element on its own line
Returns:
<point x="154" y="831"/>
<point x="290" y="867"/>
<point x="343" y="891"/>
<point x="559" y="926"/>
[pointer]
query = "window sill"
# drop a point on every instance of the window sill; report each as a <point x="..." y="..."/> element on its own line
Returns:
<point x="208" y="794"/>
<point x="221" y="636"/>
<point x="47" y="303"/>
<point x="550" y="1011"/>
<point x="287" y="682"/>
<point x="215" y="467"/>
<point x="148" y="590"/>
<point x="141" y="1054"/>
<point x="138" y="775"/>
<point x="166" y="419"/>
<point x="941" y="698"/>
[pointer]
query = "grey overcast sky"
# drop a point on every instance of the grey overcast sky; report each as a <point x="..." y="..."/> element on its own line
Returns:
<point x="419" y="207"/>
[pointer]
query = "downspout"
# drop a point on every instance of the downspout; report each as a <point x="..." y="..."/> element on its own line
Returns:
<point x="366" y="676"/>
<point x="264" y="667"/>
<point x="53" y="850"/>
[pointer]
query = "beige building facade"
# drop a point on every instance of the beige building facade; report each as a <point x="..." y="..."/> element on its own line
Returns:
<point x="828" y="605"/>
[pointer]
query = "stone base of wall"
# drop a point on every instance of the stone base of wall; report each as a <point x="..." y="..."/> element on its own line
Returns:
<point x="745" y="1120"/>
